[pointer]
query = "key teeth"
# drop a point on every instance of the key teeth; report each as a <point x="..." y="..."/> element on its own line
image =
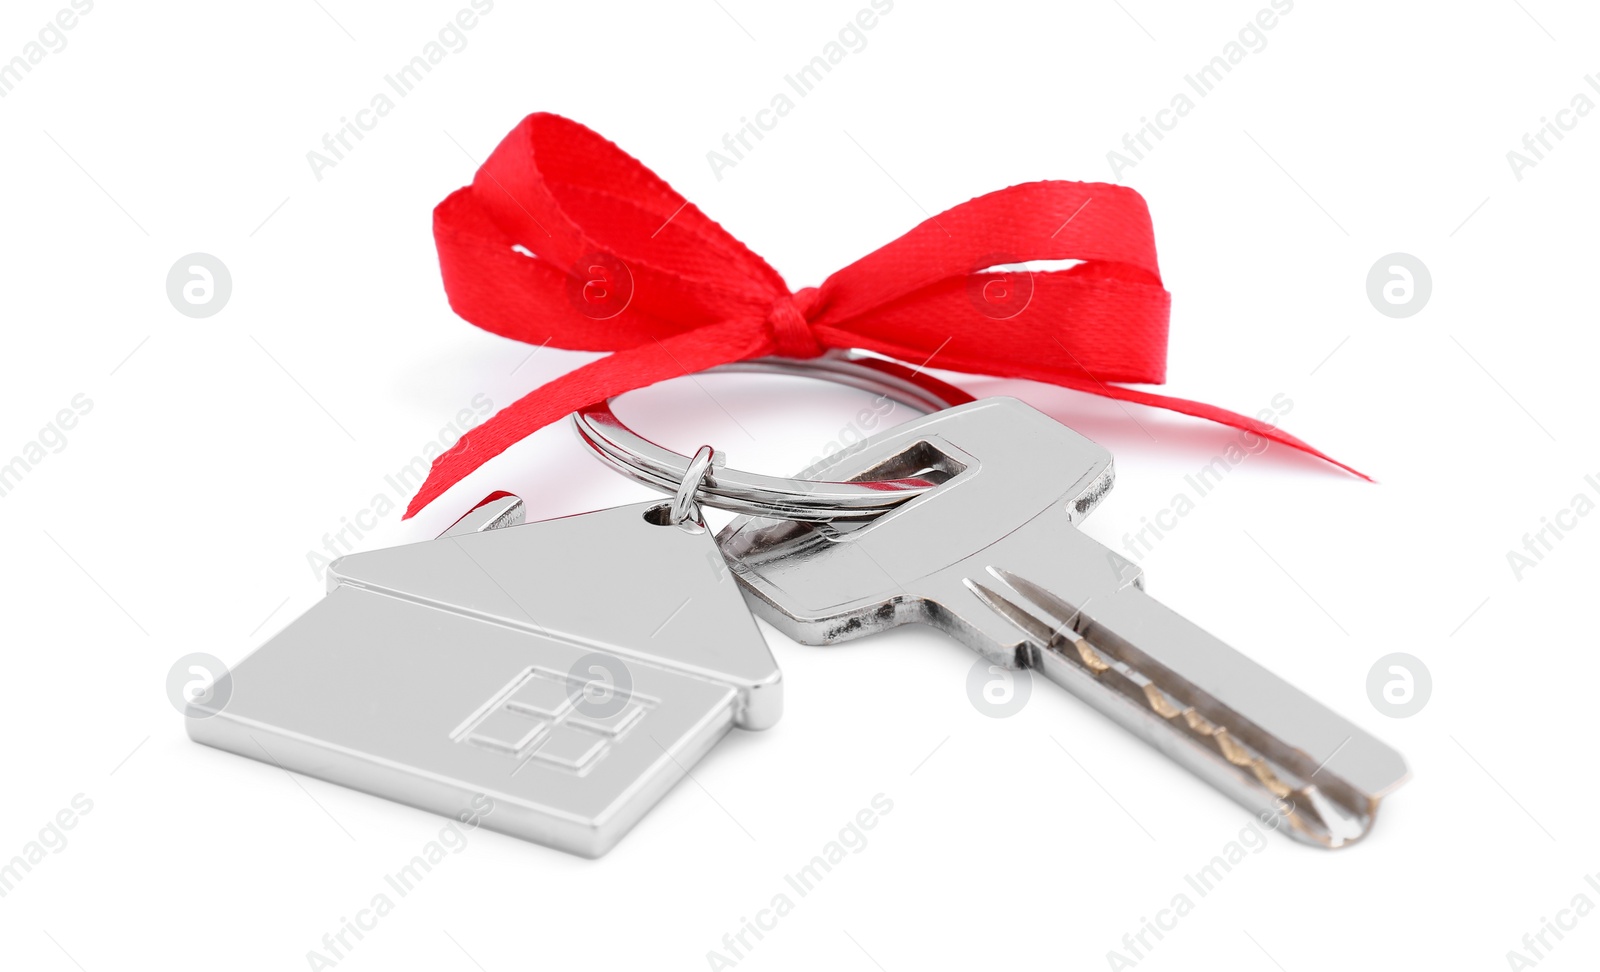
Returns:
<point x="1310" y="822"/>
<point x="1158" y="700"/>
<point x="1231" y="750"/>
<point x="1091" y="658"/>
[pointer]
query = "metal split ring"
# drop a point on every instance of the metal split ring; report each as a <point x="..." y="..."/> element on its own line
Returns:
<point x="684" y="507"/>
<point x="692" y="481"/>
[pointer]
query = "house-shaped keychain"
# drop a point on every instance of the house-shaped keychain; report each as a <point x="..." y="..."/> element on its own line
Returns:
<point x="565" y="673"/>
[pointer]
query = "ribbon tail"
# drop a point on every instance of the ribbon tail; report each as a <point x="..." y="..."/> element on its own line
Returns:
<point x="673" y="357"/>
<point x="1212" y="413"/>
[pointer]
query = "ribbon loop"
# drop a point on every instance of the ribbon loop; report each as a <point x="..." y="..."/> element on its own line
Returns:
<point x="682" y="294"/>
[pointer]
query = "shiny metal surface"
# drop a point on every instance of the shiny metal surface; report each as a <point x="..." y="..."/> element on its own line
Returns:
<point x="758" y="495"/>
<point x="992" y="556"/>
<point x="684" y="509"/>
<point x="553" y="680"/>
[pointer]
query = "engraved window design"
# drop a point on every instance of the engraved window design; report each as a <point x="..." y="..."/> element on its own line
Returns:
<point x="543" y="716"/>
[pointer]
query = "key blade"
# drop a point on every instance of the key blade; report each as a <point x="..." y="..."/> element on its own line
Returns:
<point x="1209" y="707"/>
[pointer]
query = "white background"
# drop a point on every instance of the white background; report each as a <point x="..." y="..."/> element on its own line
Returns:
<point x="218" y="452"/>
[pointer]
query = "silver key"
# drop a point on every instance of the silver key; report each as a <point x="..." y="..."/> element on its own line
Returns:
<point x="548" y="680"/>
<point x="993" y="557"/>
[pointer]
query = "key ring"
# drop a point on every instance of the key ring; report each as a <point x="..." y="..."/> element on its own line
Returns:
<point x="776" y="497"/>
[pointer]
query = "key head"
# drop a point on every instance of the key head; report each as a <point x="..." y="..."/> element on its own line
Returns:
<point x="1002" y="465"/>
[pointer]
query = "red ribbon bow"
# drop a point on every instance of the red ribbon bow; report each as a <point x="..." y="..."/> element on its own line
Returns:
<point x="565" y="239"/>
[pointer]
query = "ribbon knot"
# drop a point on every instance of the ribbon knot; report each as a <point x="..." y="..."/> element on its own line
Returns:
<point x="683" y="295"/>
<point x="791" y="330"/>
